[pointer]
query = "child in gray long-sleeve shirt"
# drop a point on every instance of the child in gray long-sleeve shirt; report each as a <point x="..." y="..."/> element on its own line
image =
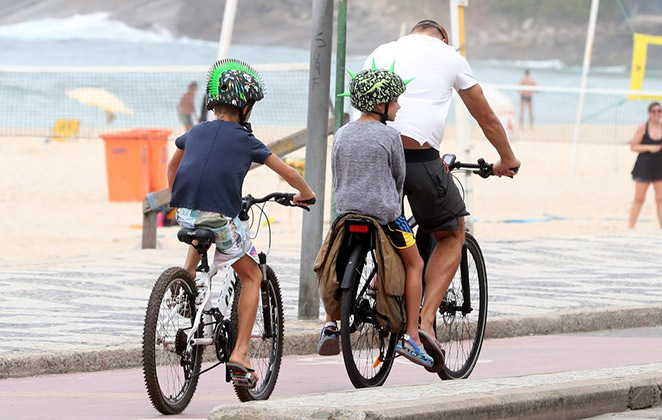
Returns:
<point x="368" y="166"/>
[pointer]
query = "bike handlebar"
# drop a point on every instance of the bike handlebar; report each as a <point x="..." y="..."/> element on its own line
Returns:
<point x="481" y="168"/>
<point x="284" y="199"/>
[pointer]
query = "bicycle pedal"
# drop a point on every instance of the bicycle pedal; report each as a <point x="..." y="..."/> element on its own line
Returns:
<point x="243" y="382"/>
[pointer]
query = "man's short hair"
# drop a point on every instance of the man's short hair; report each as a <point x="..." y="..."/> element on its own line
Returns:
<point x="193" y="84"/>
<point x="427" y="24"/>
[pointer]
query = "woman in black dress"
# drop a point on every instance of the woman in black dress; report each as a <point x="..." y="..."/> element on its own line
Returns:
<point x="647" y="141"/>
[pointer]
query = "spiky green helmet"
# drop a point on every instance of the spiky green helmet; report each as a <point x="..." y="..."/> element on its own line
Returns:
<point x="233" y="82"/>
<point x="374" y="86"/>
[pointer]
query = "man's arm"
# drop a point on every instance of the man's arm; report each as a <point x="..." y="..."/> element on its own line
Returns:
<point x="478" y="107"/>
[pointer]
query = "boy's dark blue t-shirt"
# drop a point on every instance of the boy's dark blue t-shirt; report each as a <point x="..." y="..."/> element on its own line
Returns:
<point x="217" y="156"/>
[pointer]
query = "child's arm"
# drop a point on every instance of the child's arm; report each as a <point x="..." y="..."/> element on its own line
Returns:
<point x="173" y="165"/>
<point x="292" y="177"/>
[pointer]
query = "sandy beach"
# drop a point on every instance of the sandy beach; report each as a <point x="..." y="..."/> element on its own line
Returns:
<point x="56" y="197"/>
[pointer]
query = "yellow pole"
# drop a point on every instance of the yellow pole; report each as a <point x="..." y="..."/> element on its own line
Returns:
<point x="460" y="24"/>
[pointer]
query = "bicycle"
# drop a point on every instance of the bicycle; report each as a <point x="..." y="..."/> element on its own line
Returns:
<point x="368" y="349"/>
<point x="182" y="320"/>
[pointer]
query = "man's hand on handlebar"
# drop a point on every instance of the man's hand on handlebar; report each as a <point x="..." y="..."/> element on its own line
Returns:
<point x="506" y="168"/>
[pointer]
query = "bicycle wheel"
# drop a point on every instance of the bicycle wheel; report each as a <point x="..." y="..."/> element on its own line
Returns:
<point x="265" y="352"/>
<point x="171" y="372"/>
<point x="461" y="321"/>
<point x="367" y="349"/>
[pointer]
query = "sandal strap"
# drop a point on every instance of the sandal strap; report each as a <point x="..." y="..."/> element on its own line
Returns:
<point x="412" y="342"/>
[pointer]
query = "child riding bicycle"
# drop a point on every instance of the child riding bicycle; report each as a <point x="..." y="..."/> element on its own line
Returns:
<point x="206" y="174"/>
<point x="368" y="166"/>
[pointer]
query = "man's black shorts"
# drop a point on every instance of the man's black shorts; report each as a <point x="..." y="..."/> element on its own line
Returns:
<point x="433" y="196"/>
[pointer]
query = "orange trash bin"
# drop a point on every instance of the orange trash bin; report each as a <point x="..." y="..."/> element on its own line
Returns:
<point x="127" y="165"/>
<point x="158" y="158"/>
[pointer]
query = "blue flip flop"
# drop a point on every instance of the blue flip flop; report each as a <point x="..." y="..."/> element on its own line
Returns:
<point x="329" y="343"/>
<point x="407" y="347"/>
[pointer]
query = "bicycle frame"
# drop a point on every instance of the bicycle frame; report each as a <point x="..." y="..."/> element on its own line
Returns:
<point x="204" y="308"/>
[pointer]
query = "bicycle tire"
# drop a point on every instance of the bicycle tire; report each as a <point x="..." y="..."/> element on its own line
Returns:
<point x="360" y="332"/>
<point x="171" y="375"/>
<point x="265" y="353"/>
<point x="461" y="334"/>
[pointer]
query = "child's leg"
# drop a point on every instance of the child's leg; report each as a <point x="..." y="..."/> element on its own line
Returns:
<point x="250" y="275"/>
<point x="413" y="288"/>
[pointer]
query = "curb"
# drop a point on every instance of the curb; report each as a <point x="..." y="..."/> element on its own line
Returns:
<point x="301" y="338"/>
<point x="576" y="395"/>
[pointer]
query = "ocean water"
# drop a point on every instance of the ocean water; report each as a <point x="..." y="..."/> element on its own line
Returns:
<point x="37" y="99"/>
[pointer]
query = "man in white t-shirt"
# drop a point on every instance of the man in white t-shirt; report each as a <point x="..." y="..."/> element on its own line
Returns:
<point x="435" y="201"/>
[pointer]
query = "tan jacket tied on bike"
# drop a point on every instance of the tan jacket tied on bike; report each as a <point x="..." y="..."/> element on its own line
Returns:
<point x="390" y="275"/>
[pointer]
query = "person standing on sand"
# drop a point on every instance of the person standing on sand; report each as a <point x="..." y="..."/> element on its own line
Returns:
<point x="647" y="141"/>
<point x="186" y="107"/>
<point x="526" y="98"/>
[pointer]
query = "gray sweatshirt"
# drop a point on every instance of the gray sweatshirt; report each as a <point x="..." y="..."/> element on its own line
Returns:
<point x="368" y="164"/>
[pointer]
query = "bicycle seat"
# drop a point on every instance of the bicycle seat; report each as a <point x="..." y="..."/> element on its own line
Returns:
<point x="204" y="237"/>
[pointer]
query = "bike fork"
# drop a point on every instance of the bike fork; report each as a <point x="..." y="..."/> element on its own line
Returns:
<point x="264" y="290"/>
<point x="464" y="275"/>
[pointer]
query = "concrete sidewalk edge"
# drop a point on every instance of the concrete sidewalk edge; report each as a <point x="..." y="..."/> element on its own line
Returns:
<point x="502" y="398"/>
<point x="301" y="338"/>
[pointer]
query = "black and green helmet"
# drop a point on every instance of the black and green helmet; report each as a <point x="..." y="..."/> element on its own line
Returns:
<point x="233" y="82"/>
<point x="374" y="86"/>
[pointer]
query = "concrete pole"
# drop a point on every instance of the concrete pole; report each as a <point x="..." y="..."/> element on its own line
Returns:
<point x="588" y="51"/>
<point x="462" y="127"/>
<point x="316" y="138"/>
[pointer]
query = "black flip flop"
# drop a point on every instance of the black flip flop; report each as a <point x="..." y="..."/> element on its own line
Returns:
<point x="433" y="349"/>
<point x="241" y="375"/>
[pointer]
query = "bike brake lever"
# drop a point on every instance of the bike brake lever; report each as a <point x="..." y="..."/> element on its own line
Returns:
<point x="283" y="201"/>
<point x="485" y="172"/>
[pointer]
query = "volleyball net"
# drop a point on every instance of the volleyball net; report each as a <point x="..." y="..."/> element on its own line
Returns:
<point x="39" y="101"/>
<point x="34" y="101"/>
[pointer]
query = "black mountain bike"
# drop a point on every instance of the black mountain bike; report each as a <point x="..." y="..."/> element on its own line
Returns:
<point x="368" y="349"/>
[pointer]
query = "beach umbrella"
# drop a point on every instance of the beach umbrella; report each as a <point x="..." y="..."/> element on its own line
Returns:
<point x="100" y="98"/>
<point x="503" y="107"/>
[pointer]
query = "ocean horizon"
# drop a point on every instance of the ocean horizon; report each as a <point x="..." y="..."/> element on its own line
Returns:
<point x="95" y="40"/>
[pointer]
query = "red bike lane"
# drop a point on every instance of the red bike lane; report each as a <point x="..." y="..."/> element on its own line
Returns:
<point x="121" y="395"/>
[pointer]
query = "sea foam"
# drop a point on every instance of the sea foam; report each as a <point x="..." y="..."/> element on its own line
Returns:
<point x="94" y="26"/>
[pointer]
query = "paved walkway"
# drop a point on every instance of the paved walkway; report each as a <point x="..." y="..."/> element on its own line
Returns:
<point x="569" y="395"/>
<point x="93" y="303"/>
